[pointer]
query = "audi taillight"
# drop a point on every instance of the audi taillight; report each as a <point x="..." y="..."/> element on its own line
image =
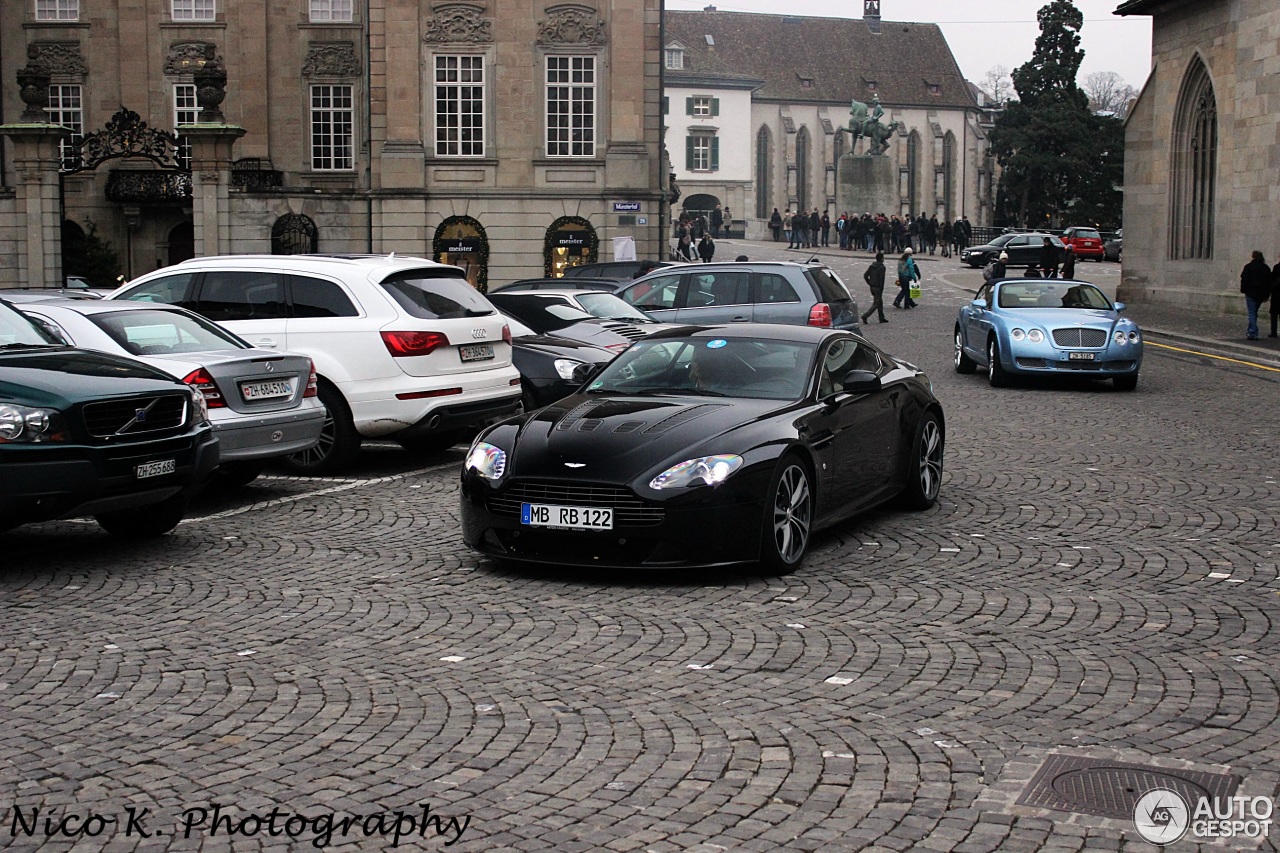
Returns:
<point x="820" y="315"/>
<point x="313" y="383"/>
<point x="506" y="333"/>
<point x="203" y="382"/>
<point x="402" y="344"/>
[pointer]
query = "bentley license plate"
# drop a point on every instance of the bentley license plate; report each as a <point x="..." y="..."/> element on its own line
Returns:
<point x="252" y="391"/>
<point x="155" y="469"/>
<point x="571" y="517"/>
<point x="479" y="352"/>
<point x="1080" y="356"/>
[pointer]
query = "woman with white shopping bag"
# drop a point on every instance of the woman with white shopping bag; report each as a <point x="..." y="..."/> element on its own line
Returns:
<point x="908" y="281"/>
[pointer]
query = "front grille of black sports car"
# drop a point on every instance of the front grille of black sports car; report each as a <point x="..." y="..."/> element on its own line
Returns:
<point x="136" y="416"/>
<point x="1077" y="337"/>
<point x="628" y="510"/>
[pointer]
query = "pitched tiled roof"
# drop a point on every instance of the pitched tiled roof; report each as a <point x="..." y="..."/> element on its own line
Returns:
<point x="1138" y="7"/>
<point x="838" y="55"/>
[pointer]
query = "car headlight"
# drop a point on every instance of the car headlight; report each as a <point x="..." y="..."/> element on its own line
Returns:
<point x="199" y="406"/>
<point x="486" y="460"/>
<point x="1133" y="337"/>
<point x="705" y="470"/>
<point x="27" y="424"/>
<point x="1017" y="334"/>
<point x="565" y="367"/>
<point x="1035" y="336"/>
<point x="1120" y="338"/>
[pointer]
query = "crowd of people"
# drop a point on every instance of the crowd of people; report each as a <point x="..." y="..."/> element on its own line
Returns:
<point x="879" y="233"/>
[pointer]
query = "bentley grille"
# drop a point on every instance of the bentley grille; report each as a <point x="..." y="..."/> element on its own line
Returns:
<point x="1078" y="337"/>
<point x="628" y="510"/>
<point x="136" y="416"/>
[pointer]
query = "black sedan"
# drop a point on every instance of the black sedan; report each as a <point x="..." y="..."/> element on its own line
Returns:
<point x="550" y="315"/>
<point x="551" y="367"/>
<point x="707" y="446"/>
<point x="1023" y="249"/>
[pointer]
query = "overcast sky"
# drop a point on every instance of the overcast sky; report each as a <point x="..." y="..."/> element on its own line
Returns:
<point x="986" y="33"/>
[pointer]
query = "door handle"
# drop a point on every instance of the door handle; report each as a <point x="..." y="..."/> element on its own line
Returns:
<point x="740" y="320"/>
<point x="269" y="343"/>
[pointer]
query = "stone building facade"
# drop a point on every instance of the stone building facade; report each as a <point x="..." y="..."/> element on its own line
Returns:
<point x="802" y="74"/>
<point x="1202" y="152"/>
<point x="509" y="138"/>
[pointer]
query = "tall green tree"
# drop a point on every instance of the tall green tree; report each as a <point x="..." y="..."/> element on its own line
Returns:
<point x="1047" y="141"/>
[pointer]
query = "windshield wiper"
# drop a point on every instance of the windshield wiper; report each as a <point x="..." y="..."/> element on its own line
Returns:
<point x="631" y="319"/>
<point x="31" y="346"/>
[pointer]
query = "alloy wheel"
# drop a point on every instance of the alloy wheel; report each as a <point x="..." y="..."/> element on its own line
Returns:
<point x="930" y="459"/>
<point x="792" y="507"/>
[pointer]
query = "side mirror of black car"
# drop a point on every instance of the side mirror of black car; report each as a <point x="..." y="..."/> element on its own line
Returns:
<point x="861" y="382"/>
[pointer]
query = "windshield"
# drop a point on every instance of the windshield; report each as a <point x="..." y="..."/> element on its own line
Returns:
<point x="710" y="367"/>
<point x="610" y="307"/>
<point x="17" y="331"/>
<point x="1002" y="240"/>
<point x="164" y="333"/>
<point x="1052" y="294"/>
<point x="541" y="313"/>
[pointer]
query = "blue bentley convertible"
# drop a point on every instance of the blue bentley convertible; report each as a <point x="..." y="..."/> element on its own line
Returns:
<point x="1031" y="326"/>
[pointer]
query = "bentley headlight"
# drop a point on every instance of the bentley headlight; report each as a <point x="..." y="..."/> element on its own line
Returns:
<point x="1035" y="336"/>
<point x="565" y="367"/>
<point x="1120" y="338"/>
<point x="703" y="471"/>
<point x="1133" y="337"/>
<point x="486" y="460"/>
<point x="27" y="424"/>
<point x="1017" y="334"/>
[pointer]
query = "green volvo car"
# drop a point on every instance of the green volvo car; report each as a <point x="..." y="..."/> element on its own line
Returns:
<point x="85" y="433"/>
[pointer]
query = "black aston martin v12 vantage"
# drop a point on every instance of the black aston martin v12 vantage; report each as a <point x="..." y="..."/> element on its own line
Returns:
<point x="707" y="446"/>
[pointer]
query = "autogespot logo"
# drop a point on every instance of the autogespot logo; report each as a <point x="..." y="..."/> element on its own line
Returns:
<point x="1161" y="816"/>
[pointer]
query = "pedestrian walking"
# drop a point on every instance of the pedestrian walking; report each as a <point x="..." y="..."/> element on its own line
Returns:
<point x="728" y="222"/>
<point x="685" y="247"/>
<point x="815" y="225"/>
<point x="775" y="225"/>
<point x="1069" y="263"/>
<point x="706" y="248"/>
<point x="997" y="269"/>
<point x="717" y="220"/>
<point x="788" y="226"/>
<point x="874" y="277"/>
<point x="1255" y="284"/>
<point x="1049" y="258"/>
<point x="908" y="273"/>
<point x="825" y="224"/>
<point x="946" y="239"/>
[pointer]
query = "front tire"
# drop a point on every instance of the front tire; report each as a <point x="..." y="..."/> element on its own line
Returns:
<point x="788" y="516"/>
<point x="1126" y="383"/>
<point x="997" y="376"/>
<point x="924" y="474"/>
<point x="237" y="475"/>
<point x="963" y="363"/>
<point x="147" y="522"/>
<point x="338" y="443"/>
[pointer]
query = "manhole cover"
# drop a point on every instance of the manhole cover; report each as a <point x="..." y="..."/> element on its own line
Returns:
<point x="1069" y="783"/>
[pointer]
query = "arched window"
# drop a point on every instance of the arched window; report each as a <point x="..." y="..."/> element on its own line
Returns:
<point x="182" y="243"/>
<point x="294" y="234"/>
<point x="462" y="242"/>
<point x="570" y="241"/>
<point x="1194" y="167"/>
<point x="802" y="169"/>
<point x="913" y="174"/>
<point x="947" y="198"/>
<point x="764" y="144"/>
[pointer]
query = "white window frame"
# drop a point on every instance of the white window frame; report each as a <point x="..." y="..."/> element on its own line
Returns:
<point x="702" y="106"/>
<point x="57" y="10"/>
<point x="570" y="80"/>
<point x="186" y="110"/>
<point x="675" y="58"/>
<point x="193" y="10"/>
<point x="331" y="122"/>
<point x="66" y="107"/>
<point x="332" y="11"/>
<point x="702" y="151"/>
<point x="459" y="90"/>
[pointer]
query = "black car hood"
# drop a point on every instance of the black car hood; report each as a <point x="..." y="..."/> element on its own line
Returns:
<point x="60" y="378"/>
<point x="555" y="345"/>
<point x="616" y="439"/>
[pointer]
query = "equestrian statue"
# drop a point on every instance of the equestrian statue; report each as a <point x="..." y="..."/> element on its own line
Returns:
<point x="864" y="120"/>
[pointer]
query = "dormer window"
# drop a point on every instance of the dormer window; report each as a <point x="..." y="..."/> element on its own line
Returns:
<point x="934" y="88"/>
<point x="806" y="82"/>
<point x="871" y="85"/>
<point x="675" y="58"/>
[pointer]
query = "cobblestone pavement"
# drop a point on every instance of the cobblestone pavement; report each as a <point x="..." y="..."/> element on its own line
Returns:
<point x="1099" y="578"/>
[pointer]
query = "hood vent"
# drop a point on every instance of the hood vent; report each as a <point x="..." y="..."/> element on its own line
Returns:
<point x="590" y="425"/>
<point x="629" y="426"/>
<point x="680" y="418"/>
